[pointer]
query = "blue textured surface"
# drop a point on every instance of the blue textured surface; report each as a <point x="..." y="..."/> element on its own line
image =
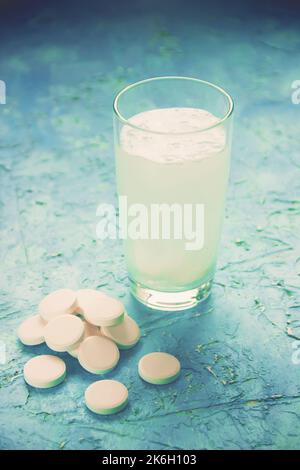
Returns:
<point x="239" y="387"/>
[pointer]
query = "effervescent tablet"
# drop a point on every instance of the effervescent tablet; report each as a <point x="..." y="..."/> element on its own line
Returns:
<point x="31" y="331"/>
<point x="64" y="332"/>
<point x="100" y="309"/>
<point x="106" y="397"/>
<point x="98" y="354"/>
<point x="125" y="335"/>
<point x="57" y="303"/>
<point x="159" y="368"/>
<point x="89" y="330"/>
<point x="44" y="371"/>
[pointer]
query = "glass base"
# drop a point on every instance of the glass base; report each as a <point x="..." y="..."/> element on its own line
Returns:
<point x="170" y="301"/>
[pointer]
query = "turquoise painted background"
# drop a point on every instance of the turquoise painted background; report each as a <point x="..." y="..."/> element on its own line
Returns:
<point x="62" y="63"/>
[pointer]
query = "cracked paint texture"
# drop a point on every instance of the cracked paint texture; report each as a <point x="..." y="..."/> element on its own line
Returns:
<point x="239" y="388"/>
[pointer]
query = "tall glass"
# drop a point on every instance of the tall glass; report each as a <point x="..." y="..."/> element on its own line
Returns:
<point x="172" y="164"/>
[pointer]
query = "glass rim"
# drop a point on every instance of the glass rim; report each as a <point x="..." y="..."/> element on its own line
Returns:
<point x="172" y="77"/>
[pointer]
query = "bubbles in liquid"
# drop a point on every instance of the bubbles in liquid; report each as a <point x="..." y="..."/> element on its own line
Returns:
<point x="176" y="134"/>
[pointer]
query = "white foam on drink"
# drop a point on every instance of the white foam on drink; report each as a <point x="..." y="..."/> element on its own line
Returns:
<point x="173" y="135"/>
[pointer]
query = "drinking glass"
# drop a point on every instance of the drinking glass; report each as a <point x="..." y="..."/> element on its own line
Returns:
<point x="172" y="167"/>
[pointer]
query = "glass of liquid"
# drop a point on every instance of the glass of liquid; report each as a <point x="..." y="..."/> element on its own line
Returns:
<point x="172" y="147"/>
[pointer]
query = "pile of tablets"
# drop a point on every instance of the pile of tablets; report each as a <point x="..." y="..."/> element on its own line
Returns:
<point x="91" y="326"/>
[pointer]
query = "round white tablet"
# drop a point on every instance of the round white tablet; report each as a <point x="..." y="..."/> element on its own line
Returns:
<point x="31" y="331"/>
<point x="100" y="309"/>
<point x="59" y="302"/>
<point x="44" y="371"/>
<point x="89" y="330"/>
<point x="64" y="332"/>
<point x="125" y="335"/>
<point x="106" y="397"/>
<point x="98" y="354"/>
<point x="159" y="368"/>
